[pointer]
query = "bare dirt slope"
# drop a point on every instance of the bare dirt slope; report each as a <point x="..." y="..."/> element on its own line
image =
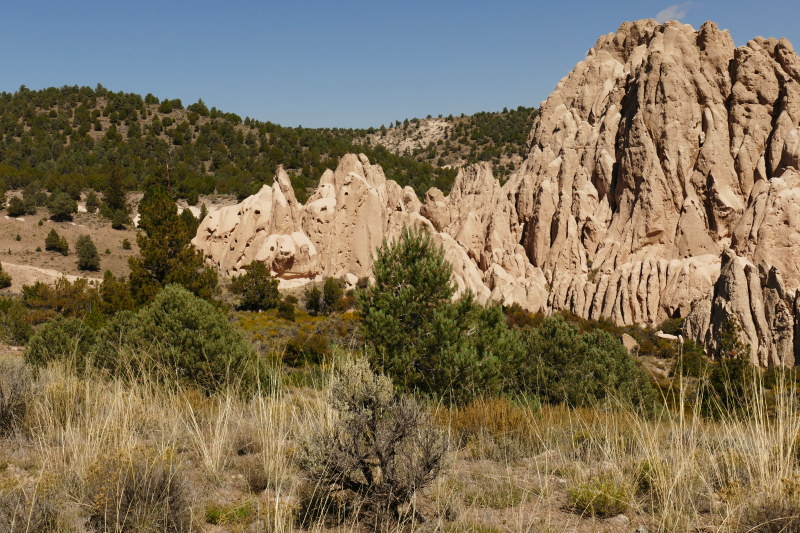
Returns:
<point x="26" y="265"/>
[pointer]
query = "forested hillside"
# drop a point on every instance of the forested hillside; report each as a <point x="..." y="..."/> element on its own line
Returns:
<point x="455" y="141"/>
<point x="70" y="138"/>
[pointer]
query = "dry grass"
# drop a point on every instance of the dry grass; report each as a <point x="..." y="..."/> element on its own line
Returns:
<point x="518" y="467"/>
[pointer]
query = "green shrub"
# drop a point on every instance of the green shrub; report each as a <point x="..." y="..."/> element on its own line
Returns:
<point x="62" y="339"/>
<point x="600" y="496"/>
<point x="286" y="310"/>
<point x="92" y="202"/>
<point x="257" y="288"/>
<point x="126" y="244"/>
<point x="14" y="326"/>
<point x="312" y="300"/>
<point x="563" y="364"/>
<point x="61" y="206"/>
<point x="5" y="279"/>
<point x="332" y="293"/>
<point x="180" y="336"/>
<point x="306" y="349"/>
<point x="692" y="361"/>
<point x="119" y="220"/>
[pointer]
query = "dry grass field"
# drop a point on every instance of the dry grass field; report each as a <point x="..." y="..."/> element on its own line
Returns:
<point x="97" y="454"/>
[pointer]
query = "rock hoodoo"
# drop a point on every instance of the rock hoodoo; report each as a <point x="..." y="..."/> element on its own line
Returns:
<point x="662" y="179"/>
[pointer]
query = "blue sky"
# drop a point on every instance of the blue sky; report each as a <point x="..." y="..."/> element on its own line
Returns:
<point x="346" y="64"/>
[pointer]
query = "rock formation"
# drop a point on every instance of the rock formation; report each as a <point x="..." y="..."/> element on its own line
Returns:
<point x="658" y="174"/>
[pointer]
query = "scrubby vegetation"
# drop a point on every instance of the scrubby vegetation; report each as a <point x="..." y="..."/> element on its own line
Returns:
<point x="160" y="402"/>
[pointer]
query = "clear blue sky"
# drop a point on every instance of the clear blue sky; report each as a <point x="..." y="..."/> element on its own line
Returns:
<point x="346" y="64"/>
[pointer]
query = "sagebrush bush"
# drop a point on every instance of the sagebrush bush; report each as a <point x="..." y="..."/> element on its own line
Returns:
<point x="138" y="490"/>
<point x="380" y="450"/>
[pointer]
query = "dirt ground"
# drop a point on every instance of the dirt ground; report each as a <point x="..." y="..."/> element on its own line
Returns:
<point x="26" y="265"/>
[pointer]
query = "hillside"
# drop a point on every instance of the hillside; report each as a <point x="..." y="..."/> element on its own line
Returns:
<point x="457" y="141"/>
<point x="69" y="138"/>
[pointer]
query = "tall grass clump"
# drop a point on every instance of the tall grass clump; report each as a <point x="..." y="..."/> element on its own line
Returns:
<point x="16" y="395"/>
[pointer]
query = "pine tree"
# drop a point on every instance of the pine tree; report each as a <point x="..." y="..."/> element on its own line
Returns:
<point x="61" y="206"/>
<point x="257" y="288"/>
<point x="419" y="336"/>
<point x="16" y="207"/>
<point x="166" y="253"/>
<point x="55" y="243"/>
<point x="115" y="194"/>
<point x="88" y="258"/>
<point x="92" y="203"/>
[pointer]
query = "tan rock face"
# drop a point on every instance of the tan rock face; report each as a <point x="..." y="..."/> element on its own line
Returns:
<point x="658" y="173"/>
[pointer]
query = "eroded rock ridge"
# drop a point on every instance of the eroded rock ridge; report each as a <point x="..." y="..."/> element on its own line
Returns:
<point x="661" y="179"/>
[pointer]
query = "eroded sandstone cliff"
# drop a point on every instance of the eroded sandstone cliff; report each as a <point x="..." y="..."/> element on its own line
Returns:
<point x="659" y="173"/>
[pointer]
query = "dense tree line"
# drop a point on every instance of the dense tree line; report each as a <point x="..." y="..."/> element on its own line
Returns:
<point x="70" y="138"/>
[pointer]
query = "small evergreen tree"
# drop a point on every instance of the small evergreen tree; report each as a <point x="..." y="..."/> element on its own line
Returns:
<point x="92" y="202"/>
<point x="257" y="288"/>
<point x="88" y="258"/>
<point x="16" y="207"/>
<point x="166" y="253"/>
<point x="55" y="243"/>
<point x="332" y="294"/>
<point x="119" y="220"/>
<point x="422" y="339"/>
<point x="114" y="195"/>
<point x="61" y="206"/>
<point x="115" y="295"/>
<point x="312" y="300"/>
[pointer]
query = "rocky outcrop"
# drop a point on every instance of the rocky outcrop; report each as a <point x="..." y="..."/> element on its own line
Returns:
<point x="756" y="297"/>
<point x="659" y="172"/>
<point x="354" y="209"/>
